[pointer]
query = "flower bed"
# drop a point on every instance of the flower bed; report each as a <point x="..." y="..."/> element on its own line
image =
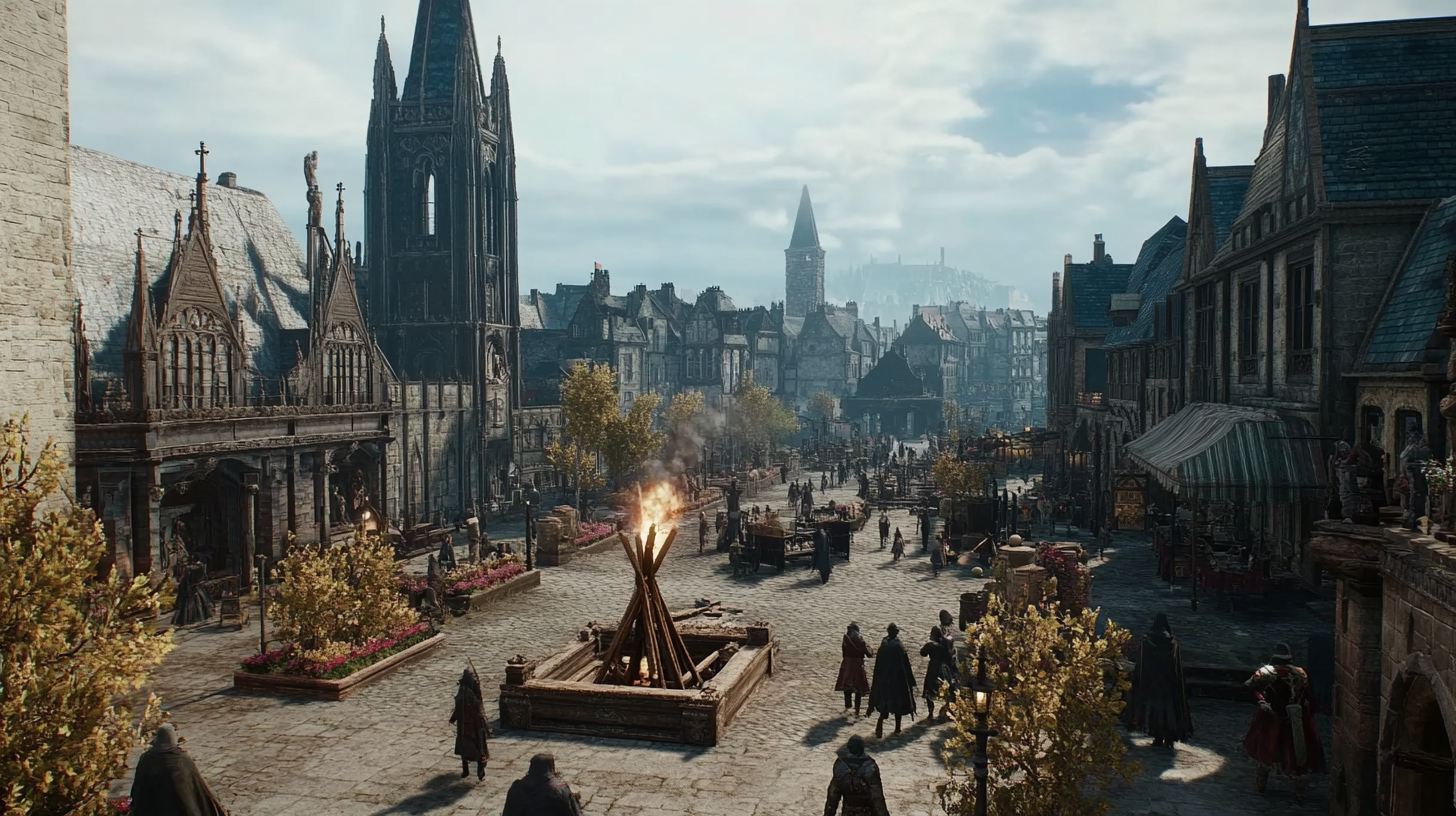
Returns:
<point x="290" y="661"/>
<point x="382" y="662"/>
<point x="1074" y="580"/>
<point x="470" y="579"/>
<point x="593" y="531"/>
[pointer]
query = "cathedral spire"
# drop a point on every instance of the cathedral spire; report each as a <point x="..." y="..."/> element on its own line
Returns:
<point x="200" y="213"/>
<point x="139" y="326"/>
<point x="443" y="50"/>
<point x="340" y="246"/>
<point x="806" y="234"/>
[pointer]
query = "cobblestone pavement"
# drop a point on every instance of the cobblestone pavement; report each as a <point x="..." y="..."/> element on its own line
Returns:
<point x="387" y="749"/>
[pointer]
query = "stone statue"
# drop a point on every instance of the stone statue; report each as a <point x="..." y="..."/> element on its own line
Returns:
<point x="1342" y="475"/>
<point x="1411" y="481"/>
<point x="315" y="198"/>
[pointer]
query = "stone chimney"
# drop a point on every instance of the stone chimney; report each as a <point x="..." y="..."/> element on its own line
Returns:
<point x="1056" y="290"/>
<point x="852" y="308"/>
<point x="229" y="180"/>
<point x="1276" y="92"/>
<point x="1099" y="249"/>
<point x="669" y="294"/>
<point x="601" y="282"/>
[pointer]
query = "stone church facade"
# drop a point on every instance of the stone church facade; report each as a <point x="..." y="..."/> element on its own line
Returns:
<point x="804" y="263"/>
<point x="234" y="392"/>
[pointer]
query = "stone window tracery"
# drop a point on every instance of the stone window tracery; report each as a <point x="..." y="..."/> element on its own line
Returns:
<point x="196" y="362"/>
<point x="347" y="374"/>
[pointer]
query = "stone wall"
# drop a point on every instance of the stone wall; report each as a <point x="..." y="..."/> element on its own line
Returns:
<point x="37" y="357"/>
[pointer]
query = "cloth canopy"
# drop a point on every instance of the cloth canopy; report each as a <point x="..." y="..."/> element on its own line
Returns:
<point x="1227" y="452"/>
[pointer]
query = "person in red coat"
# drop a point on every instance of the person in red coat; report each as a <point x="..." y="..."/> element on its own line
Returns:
<point x="1284" y="734"/>
<point x="852" y="678"/>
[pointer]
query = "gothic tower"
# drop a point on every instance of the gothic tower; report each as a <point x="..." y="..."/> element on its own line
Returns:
<point x="804" y="263"/>
<point x="439" y="278"/>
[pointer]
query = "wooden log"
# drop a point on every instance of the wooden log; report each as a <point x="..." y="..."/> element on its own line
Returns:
<point x="707" y="661"/>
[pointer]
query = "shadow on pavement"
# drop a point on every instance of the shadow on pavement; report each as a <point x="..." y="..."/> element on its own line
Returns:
<point x="440" y="791"/>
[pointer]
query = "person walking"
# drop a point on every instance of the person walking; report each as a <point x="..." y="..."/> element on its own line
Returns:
<point x="925" y="525"/>
<point x="1104" y="539"/>
<point x="884" y="529"/>
<point x="168" y="783"/>
<point x="1283" y="735"/>
<point x="898" y="548"/>
<point x="856" y="783"/>
<point x="1159" y="705"/>
<point x="852" y="679"/>
<point x="940" y="672"/>
<point x="541" y="792"/>
<point x="937" y="557"/>
<point x="893" y="689"/>
<point x="471" y="726"/>
<point x="702" y="530"/>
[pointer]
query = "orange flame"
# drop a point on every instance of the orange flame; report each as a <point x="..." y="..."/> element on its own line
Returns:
<point x="658" y="505"/>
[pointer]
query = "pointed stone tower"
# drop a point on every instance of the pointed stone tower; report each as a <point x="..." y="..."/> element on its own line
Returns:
<point x="803" y="263"/>
<point x="439" y="276"/>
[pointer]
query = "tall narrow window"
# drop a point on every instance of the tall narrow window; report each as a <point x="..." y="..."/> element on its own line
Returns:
<point x="1249" y="318"/>
<point x="427" y="205"/>
<point x="1300" y="317"/>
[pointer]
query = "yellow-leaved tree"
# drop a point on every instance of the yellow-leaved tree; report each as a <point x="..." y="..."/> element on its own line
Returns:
<point x="341" y="597"/>
<point x="630" y="440"/>
<point x="760" y="419"/>
<point x="588" y="408"/>
<point x="76" y="639"/>
<point x="821" y="405"/>
<point x="1059" y="691"/>
<point x="688" y="425"/>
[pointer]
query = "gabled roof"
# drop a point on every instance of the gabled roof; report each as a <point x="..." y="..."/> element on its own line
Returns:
<point x="924" y="331"/>
<point x="1158" y="269"/>
<point x="806" y="234"/>
<point x="1090" y="287"/>
<point x="1386" y="96"/>
<point x="1226" y="188"/>
<point x="256" y="254"/>
<point x="1417" y="296"/>
<point x="714" y="299"/>
<point x="891" y="377"/>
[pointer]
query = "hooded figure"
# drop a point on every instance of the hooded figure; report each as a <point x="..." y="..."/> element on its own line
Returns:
<point x="852" y="679"/>
<point x="541" y="792"/>
<point x="893" y="690"/>
<point x="884" y="529"/>
<point x="822" y="561"/>
<point x="167" y="782"/>
<point x="471" y="727"/>
<point x="940" y="674"/>
<point x="1159" y="705"/>
<point x="1283" y="733"/>
<point x="856" y="783"/>
<point x="898" y="548"/>
<point x="193" y="604"/>
<point x="447" y="555"/>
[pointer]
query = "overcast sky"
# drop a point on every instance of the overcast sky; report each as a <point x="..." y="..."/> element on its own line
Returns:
<point x="668" y="139"/>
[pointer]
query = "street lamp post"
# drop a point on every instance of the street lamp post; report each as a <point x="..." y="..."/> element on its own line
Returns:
<point x="262" y="603"/>
<point x="982" y="689"/>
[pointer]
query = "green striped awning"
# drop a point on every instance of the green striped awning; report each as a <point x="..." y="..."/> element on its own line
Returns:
<point x="1227" y="452"/>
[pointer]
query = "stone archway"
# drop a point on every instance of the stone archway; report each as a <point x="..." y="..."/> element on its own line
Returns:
<point x="1416" y="765"/>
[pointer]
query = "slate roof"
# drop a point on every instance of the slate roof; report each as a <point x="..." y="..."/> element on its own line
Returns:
<point x="715" y="299"/>
<point x="793" y="326"/>
<point x="257" y="256"/>
<point x="806" y="234"/>
<point x="1266" y="182"/>
<point x="891" y="377"/>
<point x="1417" y="295"/>
<point x="441" y="28"/>
<point x="1091" y="287"/>
<point x="921" y="332"/>
<point x="1226" y="189"/>
<point x="1158" y="269"/>
<point x="531" y="317"/>
<point x="1386" y="96"/>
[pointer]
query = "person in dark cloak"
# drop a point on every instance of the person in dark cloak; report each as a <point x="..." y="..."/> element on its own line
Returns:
<point x="898" y="548"/>
<point x="447" y="555"/>
<point x="806" y="500"/>
<point x="541" y="792"/>
<point x="856" y="783"/>
<point x="794" y="493"/>
<point x="194" y="603"/>
<point x="471" y="726"/>
<point x="167" y="781"/>
<point x="948" y="630"/>
<point x="1159" y="705"/>
<point x="852" y="679"/>
<point x="823" y="481"/>
<point x="822" y="560"/>
<point x="925" y="524"/>
<point x="939" y="675"/>
<point x="1283" y="734"/>
<point x="937" y="557"/>
<point x="893" y="689"/>
<point x="884" y="529"/>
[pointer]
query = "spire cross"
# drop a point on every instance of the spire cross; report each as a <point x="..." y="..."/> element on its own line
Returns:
<point x="340" y="188"/>
<point x="202" y="152"/>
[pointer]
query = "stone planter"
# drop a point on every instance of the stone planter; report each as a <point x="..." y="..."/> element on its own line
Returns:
<point x="603" y="544"/>
<point x="480" y="599"/>
<point x="288" y="686"/>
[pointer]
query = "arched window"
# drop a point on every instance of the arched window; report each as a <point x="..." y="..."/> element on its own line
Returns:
<point x="427" y="205"/>
<point x="169" y="373"/>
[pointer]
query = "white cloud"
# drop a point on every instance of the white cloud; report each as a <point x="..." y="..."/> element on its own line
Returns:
<point x="669" y="139"/>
